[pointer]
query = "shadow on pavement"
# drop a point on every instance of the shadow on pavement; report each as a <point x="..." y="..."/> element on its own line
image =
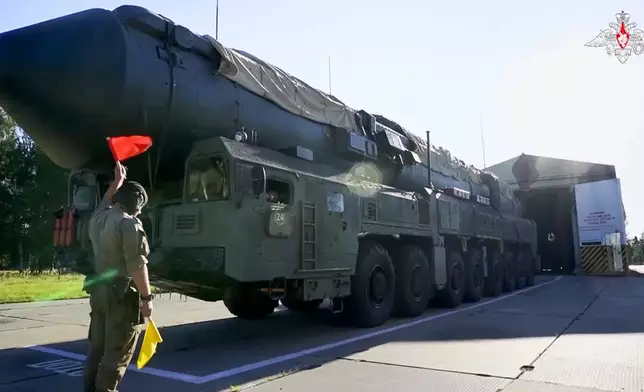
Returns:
<point x="232" y="351"/>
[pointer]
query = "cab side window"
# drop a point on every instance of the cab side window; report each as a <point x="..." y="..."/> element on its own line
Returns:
<point x="278" y="191"/>
<point x="208" y="179"/>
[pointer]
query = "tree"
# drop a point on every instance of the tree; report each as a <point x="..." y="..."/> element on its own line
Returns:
<point x="12" y="181"/>
<point x="637" y="247"/>
<point x="31" y="188"/>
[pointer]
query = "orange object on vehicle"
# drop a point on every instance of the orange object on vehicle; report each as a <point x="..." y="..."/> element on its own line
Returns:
<point x="70" y="232"/>
<point x="63" y="227"/>
<point x="58" y="225"/>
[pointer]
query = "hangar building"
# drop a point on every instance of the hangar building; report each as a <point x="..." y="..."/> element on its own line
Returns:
<point x="551" y="192"/>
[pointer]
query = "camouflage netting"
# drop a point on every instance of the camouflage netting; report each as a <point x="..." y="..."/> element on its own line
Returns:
<point x="453" y="171"/>
<point x="282" y="88"/>
<point x="297" y="97"/>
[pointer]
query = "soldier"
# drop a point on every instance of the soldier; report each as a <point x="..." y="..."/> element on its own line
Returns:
<point x="120" y="294"/>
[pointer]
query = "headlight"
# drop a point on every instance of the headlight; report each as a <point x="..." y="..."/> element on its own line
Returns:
<point x="241" y="136"/>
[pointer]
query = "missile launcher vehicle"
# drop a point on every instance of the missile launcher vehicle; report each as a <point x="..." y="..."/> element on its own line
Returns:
<point x="262" y="188"/>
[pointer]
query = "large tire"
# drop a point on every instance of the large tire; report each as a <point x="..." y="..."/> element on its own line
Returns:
<point x="372" y="287"/>
<point x="295" y="305"/>
<point x="413" y="282"/>
<point x="494" y="279"/>
<point x="474" y="276"/>
<point x="521" y="270"/>
<point x="248" y="303"/>
<point x="510" y="272"/>
<point x="530" y="268"/>
<point x="452" y="295"/>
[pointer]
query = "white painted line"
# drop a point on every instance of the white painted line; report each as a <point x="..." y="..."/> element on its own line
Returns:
<point x="61" y="366"/>
<point x="60" y="353"/>
<point x="324" y="347"/>
<point x="192" y="379"/>
<point x="189" y="378"/>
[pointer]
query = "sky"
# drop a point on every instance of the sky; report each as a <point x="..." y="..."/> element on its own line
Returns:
<point x="520" y="66"/>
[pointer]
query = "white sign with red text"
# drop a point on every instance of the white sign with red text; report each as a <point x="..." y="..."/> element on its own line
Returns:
<point x="599" y="211"/>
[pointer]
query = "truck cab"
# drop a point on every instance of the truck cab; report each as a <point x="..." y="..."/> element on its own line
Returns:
<point x="252" y="226"/>
<point x="248" y="225"/>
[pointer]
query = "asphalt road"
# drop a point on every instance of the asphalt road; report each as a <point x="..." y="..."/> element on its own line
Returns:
<point x="563" y="335"/>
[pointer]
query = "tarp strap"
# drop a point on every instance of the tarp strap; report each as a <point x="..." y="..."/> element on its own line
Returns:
<point x="172" y="59"/>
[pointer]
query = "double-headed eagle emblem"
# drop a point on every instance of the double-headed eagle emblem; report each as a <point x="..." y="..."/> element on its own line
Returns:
<point x="621" y="40"/>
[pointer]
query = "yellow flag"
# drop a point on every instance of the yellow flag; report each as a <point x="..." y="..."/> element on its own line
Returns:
<point x="149" y="346"/>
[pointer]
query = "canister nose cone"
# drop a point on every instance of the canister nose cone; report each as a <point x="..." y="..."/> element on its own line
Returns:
<point x="73" y="64"/>
<point x="63" y="78"/>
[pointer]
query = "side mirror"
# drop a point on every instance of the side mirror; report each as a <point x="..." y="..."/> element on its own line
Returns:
<point x="258" y="179"/>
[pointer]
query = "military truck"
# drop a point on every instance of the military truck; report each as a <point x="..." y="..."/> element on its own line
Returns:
<point x="263" y="188"/>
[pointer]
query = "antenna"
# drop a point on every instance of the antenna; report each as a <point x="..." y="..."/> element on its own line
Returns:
<point x="482" y="139"/>
<point x="217" y="21"/>
<point x="429" y="161"/>
<point x="329" y="74"/>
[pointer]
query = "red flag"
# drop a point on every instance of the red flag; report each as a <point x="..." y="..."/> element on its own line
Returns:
<point x="125" y="147"/>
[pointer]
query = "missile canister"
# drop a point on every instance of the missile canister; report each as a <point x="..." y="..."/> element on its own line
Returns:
<point x="71" y="82"/>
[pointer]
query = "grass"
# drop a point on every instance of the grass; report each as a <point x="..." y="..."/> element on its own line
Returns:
<point x="47" y="286"/>
<point x="16" y="286"/>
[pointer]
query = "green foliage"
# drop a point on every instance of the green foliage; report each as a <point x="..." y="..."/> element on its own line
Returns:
<point x="23" y="287"/>
<point x="637" y="249"/>
<point x="31" y="188"/>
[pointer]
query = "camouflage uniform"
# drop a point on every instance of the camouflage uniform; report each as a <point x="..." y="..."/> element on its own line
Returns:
<point x="120" y="245"/>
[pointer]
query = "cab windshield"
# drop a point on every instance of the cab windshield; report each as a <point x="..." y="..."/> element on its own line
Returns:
<point x="207" y="179"/>
<point x="84" y="189"/>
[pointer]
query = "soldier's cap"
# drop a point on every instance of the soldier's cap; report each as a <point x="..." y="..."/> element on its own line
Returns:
<point x="131" y="193"/>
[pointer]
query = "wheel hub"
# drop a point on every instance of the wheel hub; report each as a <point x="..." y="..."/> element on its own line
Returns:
<point x="378" y="286"/>
<point x="416" y="283"/>
<point x="457" y="278"/>
<point x="478" y="274"/>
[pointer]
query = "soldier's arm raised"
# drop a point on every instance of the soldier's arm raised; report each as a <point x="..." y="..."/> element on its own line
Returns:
<point x="135" y="250"/>
<point x="119" y="177"/>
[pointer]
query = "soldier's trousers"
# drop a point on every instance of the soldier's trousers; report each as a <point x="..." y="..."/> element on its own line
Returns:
<point x="113" y="333"/>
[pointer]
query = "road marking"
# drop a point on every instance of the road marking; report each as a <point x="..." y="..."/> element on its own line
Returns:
<point x="189" y="378"/>
<point x="192" y="379"/>
<point x="287" y="357"/>
<point x="61" y="366"/>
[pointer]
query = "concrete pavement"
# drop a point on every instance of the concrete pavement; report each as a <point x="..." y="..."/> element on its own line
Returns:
<point x="570" y="333"/>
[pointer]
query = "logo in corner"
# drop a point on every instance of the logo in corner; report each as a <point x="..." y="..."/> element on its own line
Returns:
<point x="621" y="40"/>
